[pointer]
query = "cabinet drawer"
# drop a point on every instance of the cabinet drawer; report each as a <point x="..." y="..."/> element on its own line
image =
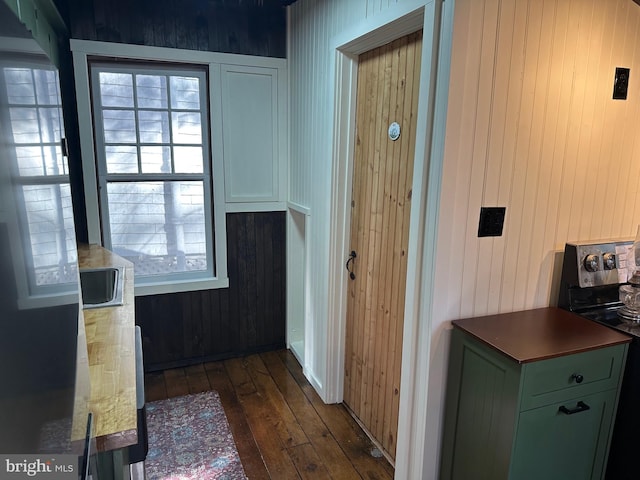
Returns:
<point x="555" y="379"/>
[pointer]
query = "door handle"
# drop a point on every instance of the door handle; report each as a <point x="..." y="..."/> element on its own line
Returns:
<point x="580" y="407"/>
<point x="352" y="255"/>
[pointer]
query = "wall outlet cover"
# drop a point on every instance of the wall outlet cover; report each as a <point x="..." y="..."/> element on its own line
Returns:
<point x="491" y="221"/>
<point x="621" y="83"/>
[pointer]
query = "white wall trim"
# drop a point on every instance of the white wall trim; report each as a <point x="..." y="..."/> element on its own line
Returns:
<point x="89" y="173"/>
<point x="296" y="207"/>
<point x="145" y="52"/>
<point x="419" y="456"/>
<point x="344" y="134"/>
<point x="20" y="45"/>
<point x="256" y="207"/>
<point x="403" y="19"/>
<point x="181" y="286"/>
<point x="218" y="218"/>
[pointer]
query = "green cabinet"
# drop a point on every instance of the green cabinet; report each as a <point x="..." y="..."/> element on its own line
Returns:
<point x="545" y="419"/>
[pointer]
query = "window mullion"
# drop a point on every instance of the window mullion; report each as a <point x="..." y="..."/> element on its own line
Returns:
<point x="36" y="107"/>
<point x="43" y="180"/>
<point x="155" y="177"/>
<point x="137" y="119"/>
<point x="169" y="114"/>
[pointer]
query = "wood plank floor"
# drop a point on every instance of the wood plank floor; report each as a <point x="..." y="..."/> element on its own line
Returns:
<point x="281" y="427"/>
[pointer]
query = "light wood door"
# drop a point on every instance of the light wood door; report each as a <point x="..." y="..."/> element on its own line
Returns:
<point x="388" y="79"/>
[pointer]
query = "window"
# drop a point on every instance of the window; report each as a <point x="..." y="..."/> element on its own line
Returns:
<point x="164" y="134"/>
<point x="151" y="125"/>
<point x="31" y="113"/>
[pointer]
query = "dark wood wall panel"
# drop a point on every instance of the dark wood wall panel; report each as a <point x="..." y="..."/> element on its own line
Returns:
<point x="248" y="317"/>
<point x="250" y="27"/>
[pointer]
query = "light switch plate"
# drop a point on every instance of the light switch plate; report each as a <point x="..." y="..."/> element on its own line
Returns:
<point x="621" y="83"/>
<point x="491" y="221"/>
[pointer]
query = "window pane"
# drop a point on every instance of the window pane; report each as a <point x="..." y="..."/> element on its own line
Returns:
<point x="24" y="124"/>
<point x="30" y="161"/>
<point x="51" y="124"/>
<point x="155" y="159"/>
<point x="121" y="159"/>
<point x="154" y="126"/>
<point x="188" y="159"/>
<point x="49" y="214"/>
<point x="186" y="127"/>
<point x="152" y="91"/>
<point x="116" y="89"/>
<point x="119" y="126"/>
<point x="159" y="225"/>
<point x="185" y="93"/>
<point x="19" y="86"/>
<point x="54" y="162"/>
<point x="40" y="160"/>
<point x="47" y="89"/>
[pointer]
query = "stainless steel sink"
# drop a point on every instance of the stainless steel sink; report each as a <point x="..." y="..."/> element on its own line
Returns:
<point x="101" y="287"/>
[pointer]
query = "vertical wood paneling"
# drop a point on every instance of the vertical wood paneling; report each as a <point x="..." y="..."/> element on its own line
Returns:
<point x="628" y="176"/>
<point x="551" y="167"/>
<point x="245" y="27"/>
<point x="502" y="134"/>
<point x="313" y="25"/>
<point x="247" y="317"/>
<point x="580" y="207"/>
<point x="532" y="117"/>
<point x="571" y="145"/>
<point x="605" y="107"/>
<point x="472" y="178"/>
<point x="483" y="122"/>
<point x="388" y="81"/>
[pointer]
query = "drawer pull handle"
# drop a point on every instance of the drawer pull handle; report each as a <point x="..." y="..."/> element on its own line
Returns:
<point x="580" y="407"/>
<point x="577" y="377"/>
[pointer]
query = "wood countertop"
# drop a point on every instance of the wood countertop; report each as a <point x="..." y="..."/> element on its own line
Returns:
<point x="110" y="334"/>
<point x="532" y="335"/>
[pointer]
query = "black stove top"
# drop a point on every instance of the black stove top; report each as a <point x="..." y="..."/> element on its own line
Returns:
<point x="590" y="285"/>
<point x="609" y="317"/>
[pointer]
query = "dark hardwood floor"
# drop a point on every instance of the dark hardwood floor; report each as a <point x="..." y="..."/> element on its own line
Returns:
<point x="281" y="427"/>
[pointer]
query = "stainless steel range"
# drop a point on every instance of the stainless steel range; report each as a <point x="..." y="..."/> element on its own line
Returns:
<point x="592" y="274"/>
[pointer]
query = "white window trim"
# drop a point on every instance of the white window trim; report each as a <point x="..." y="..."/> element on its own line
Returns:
<point x="82" y="50"/>
<point x="56" y="295"/>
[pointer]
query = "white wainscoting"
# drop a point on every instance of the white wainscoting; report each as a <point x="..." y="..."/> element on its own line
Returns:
<point x="251" y="124"/>
<point x="531" y="126"/>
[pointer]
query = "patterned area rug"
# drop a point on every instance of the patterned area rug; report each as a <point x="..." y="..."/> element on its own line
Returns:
<point x="190" y="439"/>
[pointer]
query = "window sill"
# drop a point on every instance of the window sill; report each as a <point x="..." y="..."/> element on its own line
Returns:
<point x="144" y="289"/>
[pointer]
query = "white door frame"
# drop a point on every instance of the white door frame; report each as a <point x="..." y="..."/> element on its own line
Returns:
<point x="429" y="146"/>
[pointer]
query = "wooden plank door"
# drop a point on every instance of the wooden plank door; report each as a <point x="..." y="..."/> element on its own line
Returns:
<point x="388" y="80"/>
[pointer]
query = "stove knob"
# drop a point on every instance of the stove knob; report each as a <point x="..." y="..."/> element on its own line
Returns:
<point x="609" y="261"/>
<point x="591" y="263"/>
